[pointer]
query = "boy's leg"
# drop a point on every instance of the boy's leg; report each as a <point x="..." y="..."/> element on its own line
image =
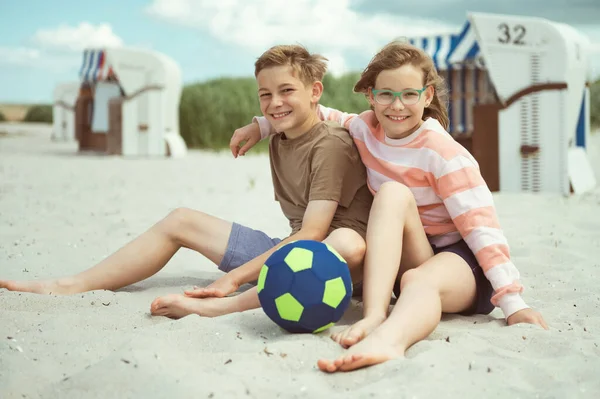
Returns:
<point x="142" y="257"/>
<point x="177" y="306"/>
<point x="245" y="245"/>
<point x="445" y="283"/>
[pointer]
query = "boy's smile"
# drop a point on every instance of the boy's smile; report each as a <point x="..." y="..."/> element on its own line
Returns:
<point x="286" y="101"/>
<point x="281" y="115"/>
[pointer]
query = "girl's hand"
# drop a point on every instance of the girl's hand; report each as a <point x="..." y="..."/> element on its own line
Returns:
<point x="527" y="316"/>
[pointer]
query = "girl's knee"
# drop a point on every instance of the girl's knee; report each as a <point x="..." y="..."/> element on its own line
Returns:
<point x="393" y="191"/>
<point x="415" y="276"/>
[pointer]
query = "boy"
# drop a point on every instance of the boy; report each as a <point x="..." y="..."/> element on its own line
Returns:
<point x="319" y="181"/>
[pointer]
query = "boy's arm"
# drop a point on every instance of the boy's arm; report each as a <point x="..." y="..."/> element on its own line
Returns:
<point x="249" y="135"/>
<point x="315" y="225"/>
<point x="332" y="184"/>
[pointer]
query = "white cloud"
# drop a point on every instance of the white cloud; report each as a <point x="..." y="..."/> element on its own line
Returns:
<point x="24" y="57"/>
<point x="76" y="38"/>
<point x="60" y="48"/>
<point x="20" y="56"/>
<point x="337" y="64"/>
<point x="329" y="27"/>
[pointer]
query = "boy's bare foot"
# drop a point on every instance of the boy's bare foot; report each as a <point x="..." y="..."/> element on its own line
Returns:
<point x="372" y="350"/>
<point x="358" y="331"/>
<point x="177" y="306"/>
<point x="61" y="286"/>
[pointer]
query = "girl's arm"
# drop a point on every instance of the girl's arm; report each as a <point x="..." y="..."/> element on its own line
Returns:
<point x="471" y="206"/>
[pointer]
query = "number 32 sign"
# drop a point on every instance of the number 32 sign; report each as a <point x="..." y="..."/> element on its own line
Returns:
<point x="512" y="34"/>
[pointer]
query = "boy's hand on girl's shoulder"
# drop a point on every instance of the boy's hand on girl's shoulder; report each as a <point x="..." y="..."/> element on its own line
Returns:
<point x="250" y="134"/>
<point x="527" y="316"/>
<point x="219" y="289"/>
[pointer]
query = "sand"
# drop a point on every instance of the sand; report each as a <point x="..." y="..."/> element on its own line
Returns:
<point x="61" y="212"/>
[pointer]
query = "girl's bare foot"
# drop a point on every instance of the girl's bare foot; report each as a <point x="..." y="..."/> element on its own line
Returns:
<point x="177" y="306"/>
<point x="374" y="349"/>
<point x="358" y="331"/>
<point x="60" y="286"/>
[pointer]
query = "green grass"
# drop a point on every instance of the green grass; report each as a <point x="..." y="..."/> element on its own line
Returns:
<point x="39" y="113"/>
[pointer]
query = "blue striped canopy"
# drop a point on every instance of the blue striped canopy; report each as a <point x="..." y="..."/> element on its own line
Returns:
<point x="92" y="66"/>
<point x="450" y="50"/>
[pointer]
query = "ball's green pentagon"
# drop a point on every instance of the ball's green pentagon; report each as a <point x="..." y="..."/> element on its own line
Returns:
<point x="288" y="307"/>
<point x="261" y="278"/>
<point x="335" y="253"/>
<point x="335" y="291"/>
<point x="325" y="327"/>
<point x="299" y="259"/>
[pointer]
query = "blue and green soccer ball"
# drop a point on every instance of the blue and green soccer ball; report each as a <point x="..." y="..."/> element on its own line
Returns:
<point x="305" y="286"/>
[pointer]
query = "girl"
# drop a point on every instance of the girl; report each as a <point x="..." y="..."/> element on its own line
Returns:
<point x="433" y="236"/>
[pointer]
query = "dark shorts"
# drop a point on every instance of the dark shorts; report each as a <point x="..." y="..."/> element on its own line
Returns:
<point x="244" y="245"/>
<point x="482" y="303"/>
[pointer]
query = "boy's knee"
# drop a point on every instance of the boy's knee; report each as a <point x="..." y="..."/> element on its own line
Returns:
<point x="349" y="244"/>
<point x="175" y="222"/>
<point x="355" y="253"/>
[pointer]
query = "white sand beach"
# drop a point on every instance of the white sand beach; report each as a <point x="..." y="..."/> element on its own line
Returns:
<point x="61" y="212"/>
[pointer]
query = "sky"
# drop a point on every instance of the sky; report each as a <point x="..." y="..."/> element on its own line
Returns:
<point x="42" y="41"/>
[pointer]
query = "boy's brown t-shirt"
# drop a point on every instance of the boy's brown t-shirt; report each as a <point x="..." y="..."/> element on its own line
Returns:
<point x="322" y="164"/>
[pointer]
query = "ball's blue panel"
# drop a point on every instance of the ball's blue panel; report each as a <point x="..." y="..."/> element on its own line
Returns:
<point x="268" y="305"/>
<point x="293" y="327"/>
<point x="327" y="266"/>
<point x="279" y="255"/>
<point x="312" y="245"/>
<point x="278" y="281"/>
<point x="341" y="309"/>
<point x="316" y="316"/>
<point x="307" y="288"/>
<point x="348" y="283"/>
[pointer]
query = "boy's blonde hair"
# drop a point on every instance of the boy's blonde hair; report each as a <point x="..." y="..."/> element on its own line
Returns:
<point x="393" y="56"/>
<point x="309" y="67"/>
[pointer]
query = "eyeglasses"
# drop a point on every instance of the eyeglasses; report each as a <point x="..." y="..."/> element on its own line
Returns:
<point x="407" y="97"/>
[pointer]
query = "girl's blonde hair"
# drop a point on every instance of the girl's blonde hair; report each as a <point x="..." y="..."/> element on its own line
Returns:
<point x="393" y="56"/>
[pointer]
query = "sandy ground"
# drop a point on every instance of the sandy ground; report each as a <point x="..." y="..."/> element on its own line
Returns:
<point x="61" y="212"/>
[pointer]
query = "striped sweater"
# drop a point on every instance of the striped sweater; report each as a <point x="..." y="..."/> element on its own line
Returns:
<point x="453" y="200"/>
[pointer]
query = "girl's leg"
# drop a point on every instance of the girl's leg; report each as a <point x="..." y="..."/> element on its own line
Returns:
<point x="142" y="257"/>
<point x="445" y="283"/>
<point x="348" y="243"/>
<point x="396" y="242"/>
